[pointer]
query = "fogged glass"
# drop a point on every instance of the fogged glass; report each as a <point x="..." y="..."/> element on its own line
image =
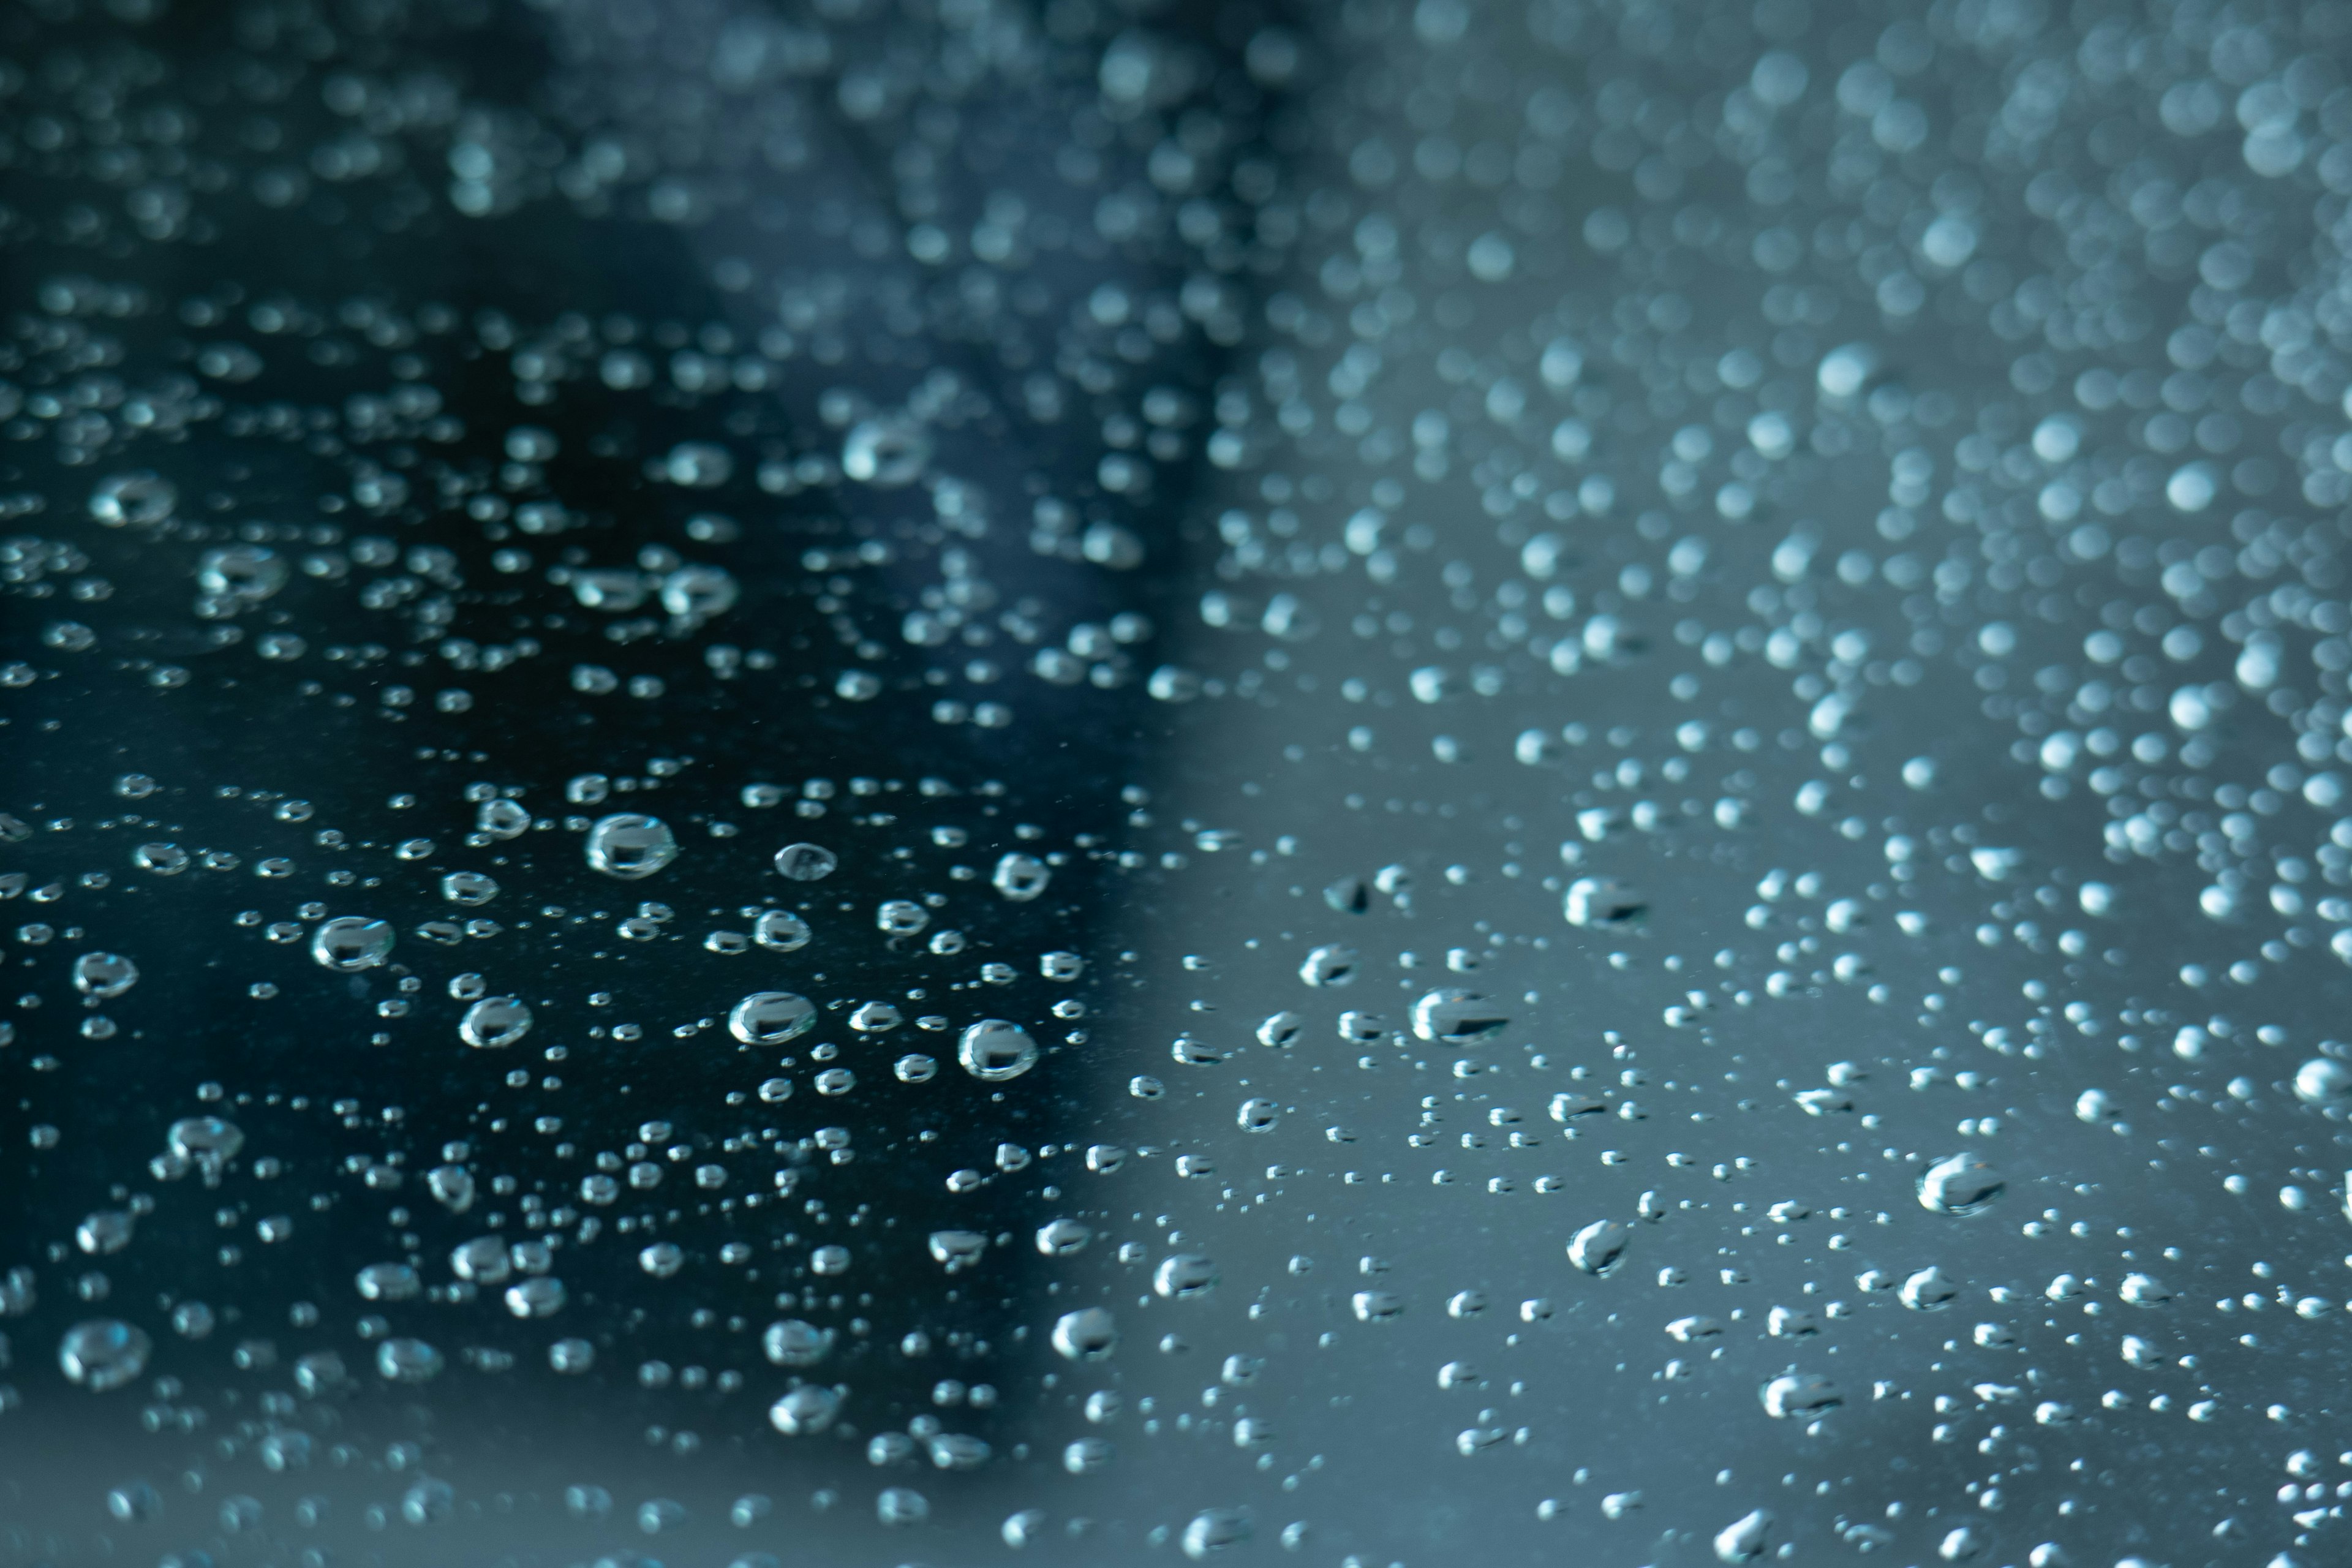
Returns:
<point x="1370" y="784"/>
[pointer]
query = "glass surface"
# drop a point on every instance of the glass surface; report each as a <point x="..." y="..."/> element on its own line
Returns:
<point x="1363" y="783"/>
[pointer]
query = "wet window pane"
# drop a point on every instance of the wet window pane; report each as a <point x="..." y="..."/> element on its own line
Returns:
<point x="1361" y="783"/>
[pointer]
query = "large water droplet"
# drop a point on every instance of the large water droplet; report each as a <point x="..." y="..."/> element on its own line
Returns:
<point x="1799" y="1393"/>
<point x="250" y="573"/>
<point x="104" y="975"/>
<point x="1597" y="1248"/>
<point x="807" y="1409"/>
<point x="388" y="1282"/>
<point x="1331" y="965"/>
<point x="886" y="451"/>
<point x="1020" y="877"/>
<point x="781" y="931"/>
<point x="539" y="1297"/>
<point x="1601" y="901"/>
<point x="351" y="942"/>
<point x="1214" y="1530"/>
<point x="698" y="593"/>
<point x="793" y="1343"/>
<point x="1062" y="1238"/>
<point x="629" y="844"/>
<point x="104" y="1353"/>
<point x="1961" y="1183"/>
<point x="1454" y="1017"/>
<point x="770" y="1017"/>
<point x="1184" y="1276"/>
<point x="1281" y="1030"/>
<point x="1929" y="1290"/>
<point x="134" y="498"/>
<point x="2323" y="1081"/>
<point x="806" y="862"/>
<point x="994" y="1050"/>
<point x="407" y="1361"/>
<point x="502" y="818"/>
<point x="957" y="1249"/>
<point x="208" y="1141"/>
<point x="495" y="1022"/>
<point x="1090" y="1334"/>
<point x="483" y="1260"/>
<point x="470" y="889"/>
<point x="1745" y="1538"/>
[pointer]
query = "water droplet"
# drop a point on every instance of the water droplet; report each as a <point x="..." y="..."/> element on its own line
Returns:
<point x="886" y="452"/>
<point x="108" y="1230"/>
<point x="1962" y="1183"/>
<point x="320" y="1373"/>
<point x="501" y="819"/>
<point x="540" y="1297"/>
<point x="698" y="593"/>
<point x="807" y="1409"/>
<point x="793" y="1343"/>
<point x="1084" y="1456"/>
<point x="134" y="498"/>
<point x="137" y="1501"/>
<point x="1333" y="965"/>
<point x="1846" y="369"/>
<point x="2323" y="1081"/>
<point x="208" y="1141"/>
<point x="1597" y="1248"/>
<point x="1184" y="1276"/>
<point x="1063" y="1237"/>
<point x="630" y="844"/>
<point x="407" y="1361"/>
<point x="1090" y="1334"/>
<point x="901" y="917"/>
<point x="1214" y="1530"/>
<point x="806" y="862"/>
<point x="483" y="1260"/>
<point x="1453" y="1017"/>
<point x="163" y="859"/>
<point x="1018" y="877"/>
<point x="388" y="1282"/>
<point x="1349" y="895"/>
<point x="471" y="888"/>
<point x="248" y="572"/>
<point x="781" y="931"/>
<point x="351" y="943"/>
<point x="104" y="975"/>
<point x="1745" y="1538"/>
<point x="957" y="1249"/>
<point x="104" y="1353"/>
<point x="770" y="1017"/>
<point x="495" y="1022"/>
<point x="993" y="1050"/>
<point x="1801" y="1394"/>
<point x="1929" y="1290"/>
<point x="1281" y="1030"/>
<point x="1601" y="901"/>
